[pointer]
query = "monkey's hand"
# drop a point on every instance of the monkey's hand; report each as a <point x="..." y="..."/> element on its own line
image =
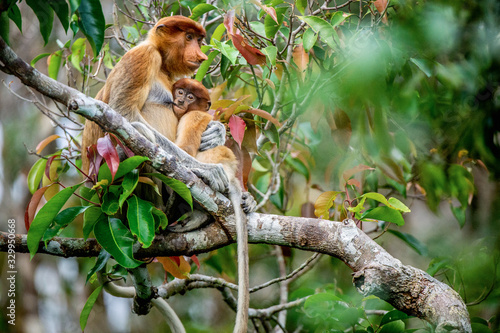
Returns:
<point x="248" y="203"/>
<point x="215" y="177"/>
<point x="214" y="135"/>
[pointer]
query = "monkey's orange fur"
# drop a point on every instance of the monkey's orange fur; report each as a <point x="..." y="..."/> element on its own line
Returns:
<point x="140" y="85"/>
<point x="192" y="123"/>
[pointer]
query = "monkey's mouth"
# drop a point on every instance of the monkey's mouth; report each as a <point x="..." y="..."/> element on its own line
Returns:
<point x="194" y="64"/>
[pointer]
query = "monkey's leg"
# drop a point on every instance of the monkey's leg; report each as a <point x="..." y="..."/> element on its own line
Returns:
<point x="191" y="127"/>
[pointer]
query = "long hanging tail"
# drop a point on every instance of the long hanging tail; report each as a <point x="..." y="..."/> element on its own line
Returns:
<point x="243" y="271"/>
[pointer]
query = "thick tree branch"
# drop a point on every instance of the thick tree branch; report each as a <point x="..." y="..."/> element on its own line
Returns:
<point x="375" y="271"/>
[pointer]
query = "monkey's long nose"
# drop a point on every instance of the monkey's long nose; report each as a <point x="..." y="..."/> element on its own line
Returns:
<point x="202" y="57"/>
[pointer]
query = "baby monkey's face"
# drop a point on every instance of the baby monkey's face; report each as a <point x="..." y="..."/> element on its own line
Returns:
<point x="190" y="95"/>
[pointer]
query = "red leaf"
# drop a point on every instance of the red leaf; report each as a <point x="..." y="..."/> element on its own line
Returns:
<point x="354" y="182"/>
<point x="244" y="162"/>
<point x="45" y="142"/>
<point x="29" y="214"/>
<point x="381" y="6"/>
<point x="195" y="260"/>
<point x="107" y="150"/>
<point x="229" y="22"/>
<point x="252" y="55"/>
<point x="94" y="161"/>
<point x="177" y="260"/>
<point x="265" y="115"/>
<point x="271" y="12"/>
<point x="126" y="149"/>
<point x="358" y="168"/>
<point x="237" y="129"/>
<point x="300" y="58"/>
<point x="47" y="166"/>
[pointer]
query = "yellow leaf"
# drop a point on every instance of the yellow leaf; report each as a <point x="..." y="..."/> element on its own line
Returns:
<point x="45" y="142"/>
<point x="324" y="203"/>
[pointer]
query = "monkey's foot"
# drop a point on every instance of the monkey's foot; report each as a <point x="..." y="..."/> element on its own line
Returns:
<point x="248" y="203"/>
<point x="194" y="220"/>
<point x="215" y="177"/>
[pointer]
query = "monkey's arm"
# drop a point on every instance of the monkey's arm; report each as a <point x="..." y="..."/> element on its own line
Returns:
<point x="190" y="129"/>
<point x="212" y="174"/>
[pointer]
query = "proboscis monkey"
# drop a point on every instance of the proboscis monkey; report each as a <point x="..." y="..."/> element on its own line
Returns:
<point x="140" y="89"/>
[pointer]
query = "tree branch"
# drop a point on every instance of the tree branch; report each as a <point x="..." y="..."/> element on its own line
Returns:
<point x="375" y="271"/>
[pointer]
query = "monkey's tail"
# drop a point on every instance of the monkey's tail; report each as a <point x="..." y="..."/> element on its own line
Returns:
<point x="243" y="271"/>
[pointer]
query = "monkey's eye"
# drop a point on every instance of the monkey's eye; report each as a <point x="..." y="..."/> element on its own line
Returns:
<point x="200" y="39"/>
<point x="190" y="97"/>
<point x="189" y="37"/>
<point x="180" y="92"/>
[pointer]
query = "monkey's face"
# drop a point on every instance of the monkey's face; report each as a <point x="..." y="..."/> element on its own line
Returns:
<point x="182" y="100"/>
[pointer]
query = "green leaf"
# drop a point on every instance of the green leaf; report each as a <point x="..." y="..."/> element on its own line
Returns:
<point x="338" y="17"/>
<point x="77" y="53"/>
<point x="125" y="167"/>
<point x="218" y="33"/>
<point x="90" y="218"/>
<point x="92" y="23"/>
<point x="35" y="175"/>
<point x="325" y="29"/>
<point x="15" y="15"/>
<point x="161" y="220"/>
<point x="110" y="203"/>
<point x="4" y="27"/>
<point x="309" y="39"/>
<point x="177" y="186"/>
<point x="377" y="197"/>
<point x="272" y="134"/>
<point x="298" y="166"/>
<point x="62" y="12"/>
<point x="201" y="9"/>
<point x="115" y="238"/>
<point x="74" y="4"/>
<point x="384" y="213"/>
<point x="270" y="25"/>
<point x="45" y="216"/>
<point x="426" y="66"/>
<point x="141" y="221"/>
<point x="200" y="74"/>
<point x="38" y="57"/>
<point x="89" y="194"/>
<point x="84" y="316"/>
<point x="301" y="6"/>
<point x="437" y="264"/>
<point x="459" y="213"/>
<point x="62" y="220"/>
<point x="45" y="16"/>
<point x="414" y="243"/>
<point x="393" y="327"/>
<point x="395" y="203"/>
<point x="54" y="64"/>
<point x="100" y="262"/>
<point x="271" y="53"/>
<point x="229" y="51"/>
<point x="129" y="184"/>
